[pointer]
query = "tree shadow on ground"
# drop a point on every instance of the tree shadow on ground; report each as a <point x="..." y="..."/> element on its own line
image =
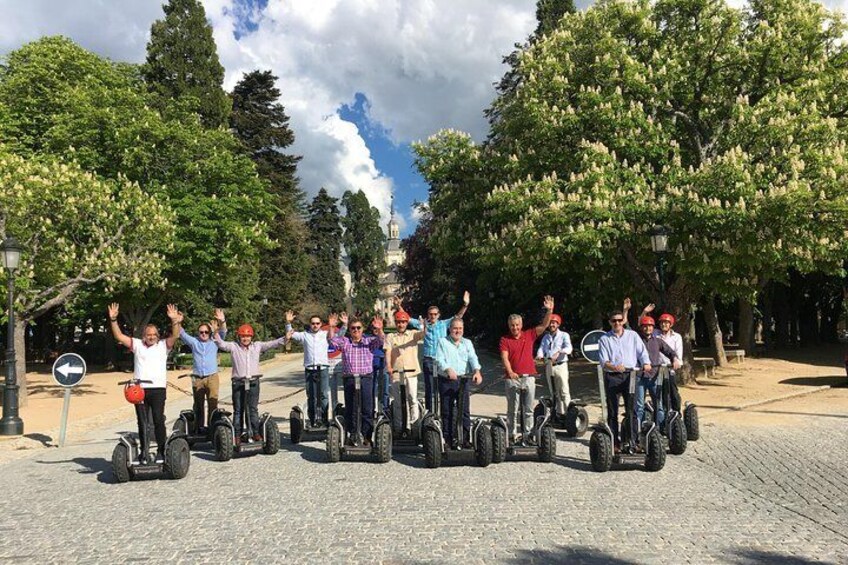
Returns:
<point x="43" y="439"/>
<point x="753" y="556"/>
<point x="828" y="355"/>
<point x="56" y="391"/>
<point x="563" y="554"/>
<point x="836" y="381"/>
<point x="89" y="465"/>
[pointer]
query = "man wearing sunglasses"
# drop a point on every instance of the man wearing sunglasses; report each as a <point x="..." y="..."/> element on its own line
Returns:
<point x="204" y="370"/>
<point x="620" y="350"/>
<point x="358" y="359"/>
<point x="436" y="330"/>
<point x="316" y="362"/>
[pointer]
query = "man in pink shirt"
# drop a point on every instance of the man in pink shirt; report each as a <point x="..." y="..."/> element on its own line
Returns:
<point x="519" y="367"/>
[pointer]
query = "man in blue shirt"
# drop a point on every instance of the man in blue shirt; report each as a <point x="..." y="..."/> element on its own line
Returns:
<point x="620" y="350"/>
<point x="455" y="356"/>
<point x="436" y="330"/>
<point x="204" y="377"/>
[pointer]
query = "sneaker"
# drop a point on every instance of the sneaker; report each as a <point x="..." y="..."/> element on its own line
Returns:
<point x="467" y="445"/>
<point x="257" y="437"/>
<point x="366" y="442"/>
<point x="531" y="439"/>
<point x="160" y="457"/>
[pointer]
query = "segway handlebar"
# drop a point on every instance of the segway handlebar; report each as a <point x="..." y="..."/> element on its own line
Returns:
<point x="135" y="382"/>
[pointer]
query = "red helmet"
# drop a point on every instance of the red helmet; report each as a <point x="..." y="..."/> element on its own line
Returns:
<point x="646" y="321"/>
<point x="401" y="316"/>
<point x="667" y="318"/>
<point x="134" y="394"/>
<point x="556" y="318"/>
<point x="245" y="329"/>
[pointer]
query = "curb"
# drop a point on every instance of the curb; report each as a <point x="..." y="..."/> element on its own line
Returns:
<point x="767" y="401"/>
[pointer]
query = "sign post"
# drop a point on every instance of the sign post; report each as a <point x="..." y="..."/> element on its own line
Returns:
<point x="68" y="371"/>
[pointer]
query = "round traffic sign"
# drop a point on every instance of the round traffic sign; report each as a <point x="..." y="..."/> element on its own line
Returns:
<point x="589" y="346"/>
<point x="69" y="370"/>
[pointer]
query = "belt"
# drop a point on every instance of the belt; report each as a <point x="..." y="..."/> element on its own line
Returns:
<point x="204" y="376"/>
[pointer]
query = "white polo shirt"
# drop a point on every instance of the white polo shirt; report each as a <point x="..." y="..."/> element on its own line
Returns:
<point x="151" y="363"/>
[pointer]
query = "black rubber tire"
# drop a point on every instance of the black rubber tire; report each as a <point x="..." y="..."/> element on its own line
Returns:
<point x="177" y="458"/>
<point x="383" y="443"/>
<point x="180" y="428"/>
<point x="654" y="451"/>
<point x="120" y="463"/>
<point x="498" y="444"/>
<point x="296" y="429"/>
<point x="271" y="443"/>
<point x="677" y="437"/>
<point x="334" y="445"/>
<point x="576" y="421"/>
<point x="432" y="448"/>
<point x="222" y="439"/>
<point x="547" y="444"/>
<point x="600" y="451"/>
<point x="690" y="420"/>
<point x="485" y="447"/>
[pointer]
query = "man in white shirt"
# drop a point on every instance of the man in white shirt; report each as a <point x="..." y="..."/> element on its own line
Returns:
<point x="556" y="347"/>
<point x="150" y="357"/>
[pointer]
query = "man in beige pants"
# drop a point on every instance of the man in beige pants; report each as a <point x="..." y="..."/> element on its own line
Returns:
<point x="402" y="359"/>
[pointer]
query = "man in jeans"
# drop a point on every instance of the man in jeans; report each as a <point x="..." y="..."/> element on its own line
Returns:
<point x="436" y="330"/>
<point x="204" y="370"/>
<point x="455" y="356"/>
<point x="658" y="352"/>
<point x="620" y="350"/>
<point x="316" y="362"/>
<point x="519" y="368"/>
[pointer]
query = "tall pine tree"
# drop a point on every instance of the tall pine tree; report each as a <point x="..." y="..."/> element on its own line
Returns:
<point x="326" y="284"/>
<point x="261" y="123"/>
<point x="364" y="242"/>
<point x="182" y="62"/>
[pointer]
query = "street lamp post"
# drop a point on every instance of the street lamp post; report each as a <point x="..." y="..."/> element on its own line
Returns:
<point x="11" y="424"/>
<point x="659" y="244"/>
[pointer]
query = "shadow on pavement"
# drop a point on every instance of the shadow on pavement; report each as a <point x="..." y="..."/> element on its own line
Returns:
<point x="89" y="465"/>
<point x="43" y="439"/>
<point x="574" y="554"/>
<point x="830" y="380"/>
<point x="752" y="556"/>
<point x="307" y="452"/>
<point x="573" y="463"/>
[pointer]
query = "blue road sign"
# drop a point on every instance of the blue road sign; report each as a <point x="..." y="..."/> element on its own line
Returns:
<point x="69" y="370"/>
<point x="589" y="346"/>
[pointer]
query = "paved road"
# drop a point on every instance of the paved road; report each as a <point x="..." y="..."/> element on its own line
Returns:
<point x="740" y="495"/>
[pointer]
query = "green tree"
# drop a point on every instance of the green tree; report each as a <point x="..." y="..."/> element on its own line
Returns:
<point x="326" y="284"/>
<point x="364" y="243"/>
<point x="550" y="12"/>
<point x="182" y="62"/>
<point x="77" y="230"/>
<point x="261" y="123"/>
<point x="103" y="121"/>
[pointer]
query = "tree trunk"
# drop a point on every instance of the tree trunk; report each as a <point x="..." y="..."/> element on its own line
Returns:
<point x="746" y="326"/>
<point x="768" y="316"/>
<point x="716" y="337"/>
<point x="20" y="360"/>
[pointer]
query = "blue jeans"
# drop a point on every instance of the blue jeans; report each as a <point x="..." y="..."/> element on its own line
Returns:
<point x="449" y="400"/>
<point x="252" y="405"/>
<point x="317" y="387"/>
<point x="381" y="379"/>
<point x="335" y="378"/>
<point x="649" y="384"/>
<point x="429" y="383"/>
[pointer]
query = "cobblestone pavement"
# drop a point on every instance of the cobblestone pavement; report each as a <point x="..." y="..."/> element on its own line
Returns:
<point x="739" y="495"/>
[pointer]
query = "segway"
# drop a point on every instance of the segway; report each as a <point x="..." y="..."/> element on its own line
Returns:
<point x="601" y="441"/>
<point x="190" y="424"/>
<point x="303" y="427"/>
<point x="575" y="421"/>
<point x="131" y="458"/>
<point x="673" y="428"/>
<point x="380" y="449"/>
<point x="690" y="411"/>
<point x="224" y="432"/>
<point x="542" y="434"/>
<point x="410" y="434"/>
<point x="436" y="449"/>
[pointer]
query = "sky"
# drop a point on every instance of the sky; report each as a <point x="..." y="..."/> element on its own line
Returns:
<point x="360" y="79"/>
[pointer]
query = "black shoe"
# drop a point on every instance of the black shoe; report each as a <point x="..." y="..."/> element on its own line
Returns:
<point x="531" y="440"/>
<point x="467" y="445"/>
<point x="160" y="457"/>
<point x="366" y="442"/>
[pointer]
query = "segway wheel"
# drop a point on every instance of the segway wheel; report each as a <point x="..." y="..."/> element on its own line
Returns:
<point x="177" y="458"/>
<point x="180" y="428"/>
<point x="223" y="441"/>
<point x="121" y="462"/>
<point x="483" y="455"/>
<point x="334" y="444"/>
<point x="498" y="444"/>
<point x="654" y="451"/>
<point x="296" y="429"/>
<point x="432" y="449"/>
<point x="547" y="444"/>
<point x="600" y="451"/>
<point x="576" y="421"/>
<point x="271" y="444"/>
<point x="690" y="420"/>
<point x="383" y="443"/>
<point x="677" y="437"/>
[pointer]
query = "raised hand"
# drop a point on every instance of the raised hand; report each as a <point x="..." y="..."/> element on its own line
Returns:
<point x="377" y="323"/>
<point x="214" y="325"/>
<point x="627" y="304"/>
<point x="343" y="318"/>
<point x="289" y="316"/>
<point x="173" y="313"/>
<point x="549" y="302"/>
<point x="113" y="310"/>
<point x="422" y="324"/>
<point x="649" y="308"/>
<point x="397" y="302"/>
<point x="466" y="298"/>
<point x="219" y="315"/>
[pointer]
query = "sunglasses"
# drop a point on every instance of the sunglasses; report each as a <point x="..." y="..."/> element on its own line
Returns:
<point x="203" y="332"/>
<point x="617" y="320"/>
<point x="354" y="328"/>
<point x="315" y="323"/>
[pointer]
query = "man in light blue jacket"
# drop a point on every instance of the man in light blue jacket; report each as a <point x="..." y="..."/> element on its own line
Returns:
<point x="204" y="371"/>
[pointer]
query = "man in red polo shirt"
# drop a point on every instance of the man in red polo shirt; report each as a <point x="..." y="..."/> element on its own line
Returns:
<point x="519" y="368"/>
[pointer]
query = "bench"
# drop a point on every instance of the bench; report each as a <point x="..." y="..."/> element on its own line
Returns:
<point x="707" y="364"/>
<point x="737" y="355"/>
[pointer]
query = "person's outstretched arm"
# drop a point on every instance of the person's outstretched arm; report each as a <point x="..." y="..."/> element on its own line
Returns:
<point x="124" y="340"/>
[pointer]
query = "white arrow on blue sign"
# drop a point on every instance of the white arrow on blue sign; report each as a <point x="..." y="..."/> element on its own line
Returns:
<point x="69" y="370"/>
